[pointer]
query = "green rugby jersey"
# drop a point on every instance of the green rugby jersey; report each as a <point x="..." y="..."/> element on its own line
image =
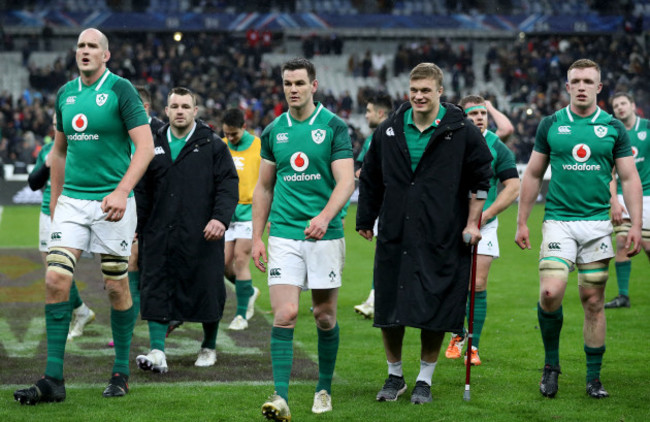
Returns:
<point x="641" y="150"/>
<point x="303" y="153"/>
<point x="417" y="140"/>
<point x="40" y="161"/>
<point x="502" y="160"/>
<point x="95" y="120"/>
<point x="582" y="151"/>
<point x="364" y="149"/>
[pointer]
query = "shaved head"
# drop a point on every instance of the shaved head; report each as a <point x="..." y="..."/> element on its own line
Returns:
<point x="97" y="35"/>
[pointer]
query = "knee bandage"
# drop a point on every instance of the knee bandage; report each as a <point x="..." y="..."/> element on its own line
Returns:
<point x="115" y="267"/>
<point x="61" y="260"/>
<point x="554" y="267"/>
<point x="623" y="229"/>
<point x="593" y="274"/>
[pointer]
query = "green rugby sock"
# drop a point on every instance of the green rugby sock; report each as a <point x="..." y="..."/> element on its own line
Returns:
<point x="157" y="334"/>
<point x="57" y="324"/>
<point x="623" y="271"/>
<point x="75" y="299"/>
<point x="550" y="325"/>
<point x="122" y="326"/>
<point x="594" y="361"/>
<point x="480" y="312"/>
<point x="244" y="290"/>
<point x="134" y="286"/>
<point x="281" y="359"/>
<point x="328" y="346"/>
<point x="210" y="330"/>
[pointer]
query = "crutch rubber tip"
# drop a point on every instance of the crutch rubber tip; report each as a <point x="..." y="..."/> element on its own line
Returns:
<point x="467" y="237"/>
<point x="466" y="395"/>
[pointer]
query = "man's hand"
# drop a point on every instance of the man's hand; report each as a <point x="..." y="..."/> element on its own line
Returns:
<point x="633" y="242"/>
<point x="214" y="230"/>
<point x="366" y="234"/>
<point x="617" y="213"/>
<point x="472" y="233"/>
<point x="114" y="205"/>
<point x="259" y="255"/>
<point x="521" y="238"/>
<point x="317" y="228"/>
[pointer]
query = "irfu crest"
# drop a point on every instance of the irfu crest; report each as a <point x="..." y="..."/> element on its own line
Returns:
<point x="318" y="135"/>
<point x="101" y="99"/>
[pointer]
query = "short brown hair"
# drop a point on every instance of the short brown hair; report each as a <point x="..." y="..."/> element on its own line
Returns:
<point x="234" y="117"/>
<point x="583" y="64"/>
<point x="144" y="93"/>
<point x="427" y="71"/>
<point x="181" y="90"/>
<point x="622" y="94"/>
<point x="301" y="63"/>
<point x="474" y="99"/>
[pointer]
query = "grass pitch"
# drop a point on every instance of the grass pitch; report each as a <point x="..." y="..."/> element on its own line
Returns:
<point x="504" y="388"/>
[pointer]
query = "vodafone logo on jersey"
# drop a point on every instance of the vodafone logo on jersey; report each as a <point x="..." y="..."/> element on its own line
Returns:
<point x="80" y="122"/>
<point x="299" y="161"/>
<point x="581" y="153"/>
<point x="635" y="152"/>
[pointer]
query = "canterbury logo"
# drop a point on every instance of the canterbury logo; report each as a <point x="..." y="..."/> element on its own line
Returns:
<point x="158" y="150"/>
<point x="390" y="132"/>
<point x="55" y="236"/>
<point x="564" y="130"/>
<point x="274" y="272"/>
<point x="554" y="246"/>
<point x="282" y="137"/>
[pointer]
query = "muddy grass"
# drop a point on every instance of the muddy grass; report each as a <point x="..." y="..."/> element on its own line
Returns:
<point x="241" y="356"/>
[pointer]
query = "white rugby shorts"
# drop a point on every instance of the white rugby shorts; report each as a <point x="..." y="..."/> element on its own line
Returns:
<point x="239" y="230"/>
<point x="489" y="244"/>
<point x="580" y="242"/>
<point x="81" y="224"/>
<point x="646" y="211"/>
<point x="306" y="264"/>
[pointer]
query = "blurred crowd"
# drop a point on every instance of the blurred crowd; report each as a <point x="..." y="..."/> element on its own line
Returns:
<point x="534" y="72"/>
<point x="233" y="74"/>
<point x="440" y="7"/>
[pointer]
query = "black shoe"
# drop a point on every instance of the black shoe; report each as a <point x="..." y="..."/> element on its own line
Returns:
<point x="172" y="326"/>
<point x="392" y="389"/>
<point x="595" y="389"/>
<point x="421" y="393"/>
<point x="620" y="301"/>
<point x="118" y="386"/>
<point x="46" y="390"/>
<point x="548" y="384"/>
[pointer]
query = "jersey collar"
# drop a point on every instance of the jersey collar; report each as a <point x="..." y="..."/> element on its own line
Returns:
<point x="188" y="136"/>
<point x="569" y="114"/>
<point x="311" y="119"/>
<point x="99" y="83"/>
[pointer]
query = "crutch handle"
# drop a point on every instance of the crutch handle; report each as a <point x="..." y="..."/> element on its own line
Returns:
<point x="467" y="237"/>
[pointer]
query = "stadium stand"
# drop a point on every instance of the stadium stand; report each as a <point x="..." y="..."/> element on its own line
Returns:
<point x="516" y="70"/>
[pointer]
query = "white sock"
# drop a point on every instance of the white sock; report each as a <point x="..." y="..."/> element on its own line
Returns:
<point x="371" y="297"/>
<point x="395" y="369"/>
<point x="82" y="309"/>
<point x="426" y="371"/>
